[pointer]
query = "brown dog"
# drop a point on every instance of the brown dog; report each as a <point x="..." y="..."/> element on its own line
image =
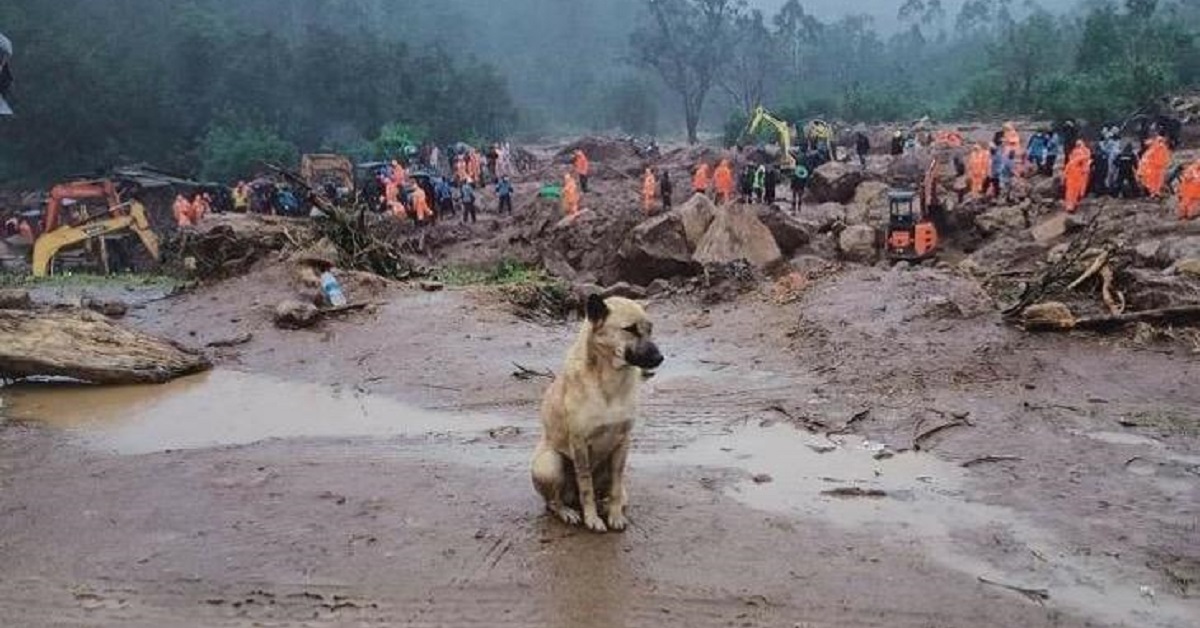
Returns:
<point x="588" y="412"/>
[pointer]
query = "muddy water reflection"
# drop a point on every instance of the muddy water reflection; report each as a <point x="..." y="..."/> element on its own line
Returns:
<point x="222" y="408"/>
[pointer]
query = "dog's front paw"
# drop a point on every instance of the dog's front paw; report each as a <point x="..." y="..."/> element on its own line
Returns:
<point x="569" y="516"/>
<point x="617" y="521"/>
<point x="594" y="523"/>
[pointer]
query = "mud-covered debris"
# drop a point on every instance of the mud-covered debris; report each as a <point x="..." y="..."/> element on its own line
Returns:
<point x="432" y="286"/>
<point x="232" y="341"/>
<point x="293" y="314"/>
<point x="109" y="308"/>
<point x="83" y="345"/>
<point x="847" y="492"/>
<point x="15" y="299"/>
<point x="1034" y="595"/>
<point x="762" y="478"/>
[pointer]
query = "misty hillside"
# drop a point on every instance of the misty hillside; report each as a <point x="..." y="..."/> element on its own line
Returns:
<point x="198" y="85"/>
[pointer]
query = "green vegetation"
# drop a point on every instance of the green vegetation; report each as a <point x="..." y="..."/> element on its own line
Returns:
<point x="506" y="273"/>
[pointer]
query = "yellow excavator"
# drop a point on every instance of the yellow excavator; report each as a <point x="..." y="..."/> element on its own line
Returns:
<point x="129" y="216"/>
<point x="763" y="117"/>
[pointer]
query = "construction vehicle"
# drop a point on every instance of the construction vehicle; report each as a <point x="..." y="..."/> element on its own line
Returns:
<point x="322" y="171"/>
<point x="911" y="234"/>
<point x="762" y="116"/>
<point x="118" y="217"/>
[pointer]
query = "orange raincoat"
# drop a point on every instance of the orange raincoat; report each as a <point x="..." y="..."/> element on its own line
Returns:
<point x="570" y="196"/>
<point x="474" y="168"/>
<point x="581" y="163"/>
<point x="979" y="164"/>
<point x="723" y="181"/>
<point x="702" y="179"/>
<point x="420" y="204"/>
<point x="391" y="194"/>
<point x="1152" y="170"/>
<point x="649" y="191"/>
<point x="200" y="208"/>
<point x="1076" y="174"/>
<point x="1189" y="192"/>
<point x="182" y="209"/>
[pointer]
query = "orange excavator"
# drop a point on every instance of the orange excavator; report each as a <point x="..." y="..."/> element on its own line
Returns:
<point x="58" y="234"/>
<point x="912" y="232"/>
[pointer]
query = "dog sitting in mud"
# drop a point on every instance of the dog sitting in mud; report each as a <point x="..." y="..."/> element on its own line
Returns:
<point x="588" y="413"/>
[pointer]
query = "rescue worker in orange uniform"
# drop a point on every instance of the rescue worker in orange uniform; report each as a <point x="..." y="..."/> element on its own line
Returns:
<point x="702" y="179"/>
<point x="474" y="167"/>
<point x="391" y="196"/>
<point x="421" y="204"/>
<point x="460" y="169"/>
<point x="200" y="208"/>
<point x="182" y="210"/>
<point x="1189" y="192"/>
<point x="570" y="196"/>
<point x="979" y="164"/>
<point x="1076" y="174"/>
<point x="582" y="169"/>
<point x="649" y="191"/>
<point x="723" y="181"/>
<point x="1152" y="170"/>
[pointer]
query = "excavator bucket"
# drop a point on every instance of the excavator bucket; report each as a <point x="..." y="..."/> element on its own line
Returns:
<point x="6" y="77"/>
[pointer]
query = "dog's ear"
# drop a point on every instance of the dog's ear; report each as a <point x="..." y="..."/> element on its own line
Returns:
<point x="597" y="309"/>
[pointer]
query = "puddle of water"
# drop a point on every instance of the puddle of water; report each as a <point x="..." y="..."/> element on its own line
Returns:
<point x="222" y="408"/>
<point x="923" y="502"/>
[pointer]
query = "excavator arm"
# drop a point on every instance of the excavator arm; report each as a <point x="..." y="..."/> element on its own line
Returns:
<point x="78" y="190"/>
<point x="762" y="116"/>
<point x="51" y="242"/>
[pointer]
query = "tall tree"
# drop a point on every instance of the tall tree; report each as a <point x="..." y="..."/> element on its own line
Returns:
<point x="688" y="42"/>
<point x="752" y="61"/>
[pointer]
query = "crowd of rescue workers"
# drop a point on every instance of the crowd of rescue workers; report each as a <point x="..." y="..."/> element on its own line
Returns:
<point x="427" y="183"/>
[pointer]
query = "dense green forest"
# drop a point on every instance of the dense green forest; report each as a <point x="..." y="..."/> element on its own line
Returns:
<point x="207" y="87"/>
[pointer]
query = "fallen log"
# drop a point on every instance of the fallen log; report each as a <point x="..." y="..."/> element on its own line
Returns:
<point x="89" y="347"/>
<point x="1182" y="315"/>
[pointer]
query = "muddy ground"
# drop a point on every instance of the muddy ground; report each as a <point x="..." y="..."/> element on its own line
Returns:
<point x="374" y="472"/>
<point x="875" y="449"/>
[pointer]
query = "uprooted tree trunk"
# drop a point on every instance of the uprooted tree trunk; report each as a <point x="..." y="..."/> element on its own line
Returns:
<point x="86" y="346"/>
<point x="1063" y="321"/>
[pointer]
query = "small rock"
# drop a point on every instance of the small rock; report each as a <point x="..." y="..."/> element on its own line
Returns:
<point x="293" y="314"/>
<point x="432" y="286"/>
<point x="1189" y="266"/>
<point x="762" y="478"/>
<point x="822" y="448"/>
<point x="658" y="286"/>
<point x="111" y="309"/>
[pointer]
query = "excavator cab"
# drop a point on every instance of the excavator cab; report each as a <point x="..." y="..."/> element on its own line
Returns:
<point x="911" y="235"/>
<point x="87" y="228"/>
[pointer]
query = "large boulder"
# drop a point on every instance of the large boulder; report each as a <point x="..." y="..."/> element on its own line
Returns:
<point x="859" y="243"/>
<point x="906" y="170"/>
<point x="697" y="214"/>
<point x="737" y="234"/>
<point x="1005" y="218"/>
<point x="790" y="234"/>
<point x="835" y="182"/>
<point x="657" y="248"/>
<point x="822" y="218"/>
<point x="871" y="194"/>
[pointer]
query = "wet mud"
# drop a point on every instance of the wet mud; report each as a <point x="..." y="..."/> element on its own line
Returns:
<point x="786" y="473"/>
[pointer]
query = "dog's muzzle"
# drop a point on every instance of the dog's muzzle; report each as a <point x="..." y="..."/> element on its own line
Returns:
<point x="644" y="355"/>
